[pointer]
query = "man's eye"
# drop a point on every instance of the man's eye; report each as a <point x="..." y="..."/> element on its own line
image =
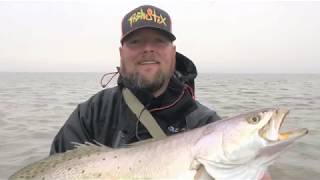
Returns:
<point x="160" y="40"/>
<point x="134" y="41"/>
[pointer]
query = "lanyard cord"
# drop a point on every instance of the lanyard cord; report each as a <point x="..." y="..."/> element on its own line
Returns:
<point x="186" y="88"/>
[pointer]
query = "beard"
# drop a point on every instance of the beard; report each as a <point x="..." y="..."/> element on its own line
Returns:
<point x="136" y="80"/>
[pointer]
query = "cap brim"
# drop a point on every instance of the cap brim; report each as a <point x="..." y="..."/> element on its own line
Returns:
<point x="166" y="33"/>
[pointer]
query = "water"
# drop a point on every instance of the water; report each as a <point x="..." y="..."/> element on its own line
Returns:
<point x="33" y="106"/>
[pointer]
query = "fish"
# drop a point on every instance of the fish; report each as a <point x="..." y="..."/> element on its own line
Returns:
<point x="240" y="147"/>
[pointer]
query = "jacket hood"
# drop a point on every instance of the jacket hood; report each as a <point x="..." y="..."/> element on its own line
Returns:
<point x="186" y="71"/>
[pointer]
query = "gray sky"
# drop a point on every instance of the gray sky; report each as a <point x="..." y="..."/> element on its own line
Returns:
<point x="219" y="36"/>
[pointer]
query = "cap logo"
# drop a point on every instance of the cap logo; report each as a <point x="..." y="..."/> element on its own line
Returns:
<point x="150" y="15"/>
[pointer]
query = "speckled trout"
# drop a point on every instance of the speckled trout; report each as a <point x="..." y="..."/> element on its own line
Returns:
<point x="241" y="147"/>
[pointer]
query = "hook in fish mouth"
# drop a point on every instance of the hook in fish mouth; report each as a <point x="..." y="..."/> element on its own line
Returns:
<point x="271" y="131"/>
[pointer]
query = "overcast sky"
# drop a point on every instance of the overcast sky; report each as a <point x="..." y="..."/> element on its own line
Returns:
<point x="219" y="36"/>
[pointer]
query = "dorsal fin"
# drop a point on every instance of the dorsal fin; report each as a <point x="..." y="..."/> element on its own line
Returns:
<point x="89" y="147"/>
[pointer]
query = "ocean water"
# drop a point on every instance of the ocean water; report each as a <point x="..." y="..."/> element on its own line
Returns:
<point x="33" y="106"/>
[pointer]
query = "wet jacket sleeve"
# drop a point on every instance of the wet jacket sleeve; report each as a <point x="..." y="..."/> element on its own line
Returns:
<point x="74" y="130"/>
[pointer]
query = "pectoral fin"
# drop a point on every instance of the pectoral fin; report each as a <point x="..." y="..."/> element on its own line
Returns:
<point x="202" y="174"/>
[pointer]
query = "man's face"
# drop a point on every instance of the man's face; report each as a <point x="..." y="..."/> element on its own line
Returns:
<point x="148" y="59"/>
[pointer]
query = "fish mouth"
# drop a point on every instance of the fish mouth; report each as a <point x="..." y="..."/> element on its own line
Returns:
<point x="271" y="130"/>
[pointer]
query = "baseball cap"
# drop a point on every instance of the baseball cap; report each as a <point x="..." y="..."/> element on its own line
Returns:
<point x="147" y="16"/>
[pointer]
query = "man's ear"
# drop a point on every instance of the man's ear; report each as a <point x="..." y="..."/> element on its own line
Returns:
<point x="121" y="59"/>
<point x="174" y="58"/>
<point x="174" y="53"/>
<point x="120" y="52"/>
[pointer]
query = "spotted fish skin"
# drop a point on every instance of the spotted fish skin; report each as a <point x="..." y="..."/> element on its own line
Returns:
<point x="90" y="161"/>
<point x="241" y="147"/>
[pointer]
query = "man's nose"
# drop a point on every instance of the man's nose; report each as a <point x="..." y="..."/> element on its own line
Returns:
<point x="148" y="46"/>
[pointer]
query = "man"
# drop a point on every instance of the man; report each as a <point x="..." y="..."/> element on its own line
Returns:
<point x="161" y="79"/>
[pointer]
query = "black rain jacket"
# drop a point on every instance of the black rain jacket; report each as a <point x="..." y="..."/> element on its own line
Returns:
<point x="106" y="118"/>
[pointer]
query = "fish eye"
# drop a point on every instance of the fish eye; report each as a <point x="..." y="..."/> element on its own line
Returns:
<point x="254" y="119"/>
